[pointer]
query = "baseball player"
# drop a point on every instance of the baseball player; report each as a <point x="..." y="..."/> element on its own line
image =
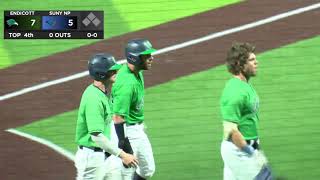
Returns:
<point x="128" y="106"/>
<point x="243" y="159"/>
<point x="94" y="131"/>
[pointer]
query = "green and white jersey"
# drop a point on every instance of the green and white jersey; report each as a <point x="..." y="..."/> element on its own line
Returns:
<point x="240" y="104"/>
<point x="94" y="115"/>
<point x="128" y="94"/>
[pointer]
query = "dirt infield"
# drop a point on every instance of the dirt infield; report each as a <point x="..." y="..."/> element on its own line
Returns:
<point x="23" y="159"/>
<point x="28" y="159"/>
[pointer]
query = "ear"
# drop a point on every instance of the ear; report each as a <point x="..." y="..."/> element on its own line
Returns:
<point x="240" y="65"/>
<point x="237" y="63"/>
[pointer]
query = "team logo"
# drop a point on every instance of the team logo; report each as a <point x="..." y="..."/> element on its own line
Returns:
<point x="256" y="105"/>
<point x="140" y="105"/>
<point x="12" y="22"/>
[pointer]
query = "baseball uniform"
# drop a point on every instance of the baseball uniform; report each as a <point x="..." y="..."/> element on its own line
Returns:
<point x="128" y="101"/>
<point x="240" y="104"/>
<point x="95" y="116"/>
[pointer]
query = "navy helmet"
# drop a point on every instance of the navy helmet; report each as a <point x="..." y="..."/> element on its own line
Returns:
<point x="137" y="47"/>
<point x="100" y="64"/>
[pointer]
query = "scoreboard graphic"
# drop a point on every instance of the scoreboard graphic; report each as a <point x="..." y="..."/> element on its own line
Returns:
<point x="21" y="24"/>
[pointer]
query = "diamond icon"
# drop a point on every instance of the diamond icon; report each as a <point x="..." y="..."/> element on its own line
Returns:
<point x="86" y="21"/>
<point x="96" y="22"/>
<point x="91" y="16"/>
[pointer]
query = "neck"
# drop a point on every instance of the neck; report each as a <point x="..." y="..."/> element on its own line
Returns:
<point x="242" y="77"/>
<point x="100" y="85"/>
<point x="134" y="69"/>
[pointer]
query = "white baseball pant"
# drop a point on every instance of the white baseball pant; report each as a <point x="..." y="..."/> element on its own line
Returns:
<point x="93" y="165"/>
<point x="238" y="165"/>
<point x="142" y="150"/>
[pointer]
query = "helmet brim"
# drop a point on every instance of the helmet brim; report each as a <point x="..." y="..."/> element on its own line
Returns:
<point x="149" y="51"/>
<point x="115" y="67"/>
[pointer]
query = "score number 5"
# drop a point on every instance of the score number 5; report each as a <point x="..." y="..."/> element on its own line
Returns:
<point x="70" y="22"/>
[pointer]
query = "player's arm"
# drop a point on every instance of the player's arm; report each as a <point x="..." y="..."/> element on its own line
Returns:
<point x="122" y="95"/>
<point x="104" y="143"/>
<point x="124" y="142"/>
<point x="231" y="132"/>
<point x="118" y="119"/>
<point x="119" y="126"/>
<point x="231" y="113"/>
<point x="96" y="124"/>
<point x="120" y="129"/>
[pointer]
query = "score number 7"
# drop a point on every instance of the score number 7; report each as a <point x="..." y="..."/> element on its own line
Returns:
<point x="32" y="21"/>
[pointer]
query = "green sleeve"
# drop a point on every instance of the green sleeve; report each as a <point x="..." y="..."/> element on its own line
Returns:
<point x="122" y="95"/>
<point x="94" y="112"/>
<point x="231" y="108"/>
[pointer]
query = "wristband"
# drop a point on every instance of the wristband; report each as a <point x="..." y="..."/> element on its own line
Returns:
<point x="248" y="149"/>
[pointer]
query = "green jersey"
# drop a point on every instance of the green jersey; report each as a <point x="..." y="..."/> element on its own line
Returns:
<point x="94" y="115"/>
<point x="240" y="104"/>
<point x="128" y="94"/>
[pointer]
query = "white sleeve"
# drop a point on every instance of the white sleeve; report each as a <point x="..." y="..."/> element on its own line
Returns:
<point x="104" y="143"/>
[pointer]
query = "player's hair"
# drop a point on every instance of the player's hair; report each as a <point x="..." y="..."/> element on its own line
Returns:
<point x="237" y="56"/>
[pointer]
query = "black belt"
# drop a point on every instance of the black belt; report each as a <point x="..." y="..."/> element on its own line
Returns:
<point x="132" y="124"/>
<point x="96" y="149"/>
<point x="254" y="143"/>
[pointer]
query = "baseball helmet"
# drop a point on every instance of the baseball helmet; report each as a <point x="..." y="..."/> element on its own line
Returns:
<point x="137" y="47"/>
<point x="100" y="64"/>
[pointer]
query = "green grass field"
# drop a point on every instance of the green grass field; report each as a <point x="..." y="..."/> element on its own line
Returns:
<point x="121" y="16"/>
<point x="184" y="123"/>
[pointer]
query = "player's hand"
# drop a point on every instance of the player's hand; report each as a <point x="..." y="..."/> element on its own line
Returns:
<point x="125" y="145"/>
<point x="128" y="159"/>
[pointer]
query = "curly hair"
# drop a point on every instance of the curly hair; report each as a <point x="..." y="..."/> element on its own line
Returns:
<point x="237" y="56"/>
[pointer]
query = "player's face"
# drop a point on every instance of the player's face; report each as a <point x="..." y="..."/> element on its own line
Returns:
<point x="146" y="61"/>
<point x="250" y="68"/>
